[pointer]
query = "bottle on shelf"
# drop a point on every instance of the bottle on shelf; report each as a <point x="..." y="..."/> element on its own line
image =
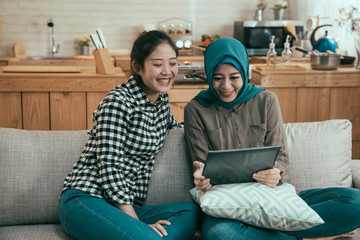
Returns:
<point x="286" y="54"/>
<point x="271" y="54"/>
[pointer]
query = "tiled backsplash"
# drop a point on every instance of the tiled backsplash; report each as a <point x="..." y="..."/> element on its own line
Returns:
<point x="121" y="20"/>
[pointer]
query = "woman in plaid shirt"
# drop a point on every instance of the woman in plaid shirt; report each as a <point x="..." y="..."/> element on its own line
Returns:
<point x="104" y="193"/>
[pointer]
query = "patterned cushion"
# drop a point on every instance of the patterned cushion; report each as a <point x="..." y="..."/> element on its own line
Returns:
<point x="256" y="204"/>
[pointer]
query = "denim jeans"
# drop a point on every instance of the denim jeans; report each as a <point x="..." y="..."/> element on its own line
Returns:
<point x="84" y="216"/>
<point x="338" y="207"/>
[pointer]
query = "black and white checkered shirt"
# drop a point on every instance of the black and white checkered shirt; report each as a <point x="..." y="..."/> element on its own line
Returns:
<point x="118" y="158"/>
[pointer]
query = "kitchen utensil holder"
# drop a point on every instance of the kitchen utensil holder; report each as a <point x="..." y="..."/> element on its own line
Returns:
<point x="104" y="65"/>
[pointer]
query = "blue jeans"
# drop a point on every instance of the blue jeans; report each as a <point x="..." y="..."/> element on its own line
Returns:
<point x="338" y="207"/>
<point x="84" y="216"/>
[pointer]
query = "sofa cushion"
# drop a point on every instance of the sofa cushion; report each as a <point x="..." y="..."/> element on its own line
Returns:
<point x="34" y="165"/>
<point x="38" y="232"/>
<point x="319" y="154"/>
<point x="172" y="176"/>
<point x="355" y="172"/>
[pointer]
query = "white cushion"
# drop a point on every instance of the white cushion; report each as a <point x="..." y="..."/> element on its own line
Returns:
<point x="355" y="171"/>
<point x="258" y="205"/>
<point x="319" y="154"/>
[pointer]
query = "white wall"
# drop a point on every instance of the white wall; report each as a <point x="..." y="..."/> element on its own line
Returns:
<point x="26" y="20"/>
<point x="328" y="11"/>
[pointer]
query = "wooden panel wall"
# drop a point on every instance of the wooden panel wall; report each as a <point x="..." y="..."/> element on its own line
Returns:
<point x="68" y="111"/>
<point x="36" y="109"/>
<point x="10" y="105"/>
<point x="73" y="110"/>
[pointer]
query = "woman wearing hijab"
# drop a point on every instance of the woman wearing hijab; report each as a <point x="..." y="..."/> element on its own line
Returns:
<point x="231" y="114"/>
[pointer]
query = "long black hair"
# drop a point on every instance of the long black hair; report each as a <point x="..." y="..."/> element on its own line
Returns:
<point x="144" y="45"/>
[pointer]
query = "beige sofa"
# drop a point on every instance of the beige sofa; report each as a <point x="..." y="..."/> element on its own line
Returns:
<point x="33" y="165"/>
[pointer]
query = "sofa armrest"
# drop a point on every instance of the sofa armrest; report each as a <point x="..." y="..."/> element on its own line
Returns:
<point x="355" y="172"/>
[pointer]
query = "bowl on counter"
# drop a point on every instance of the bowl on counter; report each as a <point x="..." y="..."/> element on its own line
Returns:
<point x="324" y="61"/>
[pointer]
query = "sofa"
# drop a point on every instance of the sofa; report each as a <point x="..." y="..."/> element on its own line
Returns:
<point x="33" y="165"/>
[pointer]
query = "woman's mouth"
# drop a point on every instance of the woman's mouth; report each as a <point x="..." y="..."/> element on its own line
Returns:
<point x="164" y="80"/>
<point x="227" y="94"/>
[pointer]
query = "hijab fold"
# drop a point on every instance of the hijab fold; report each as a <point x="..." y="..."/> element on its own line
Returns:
<point x="220" y="51"/>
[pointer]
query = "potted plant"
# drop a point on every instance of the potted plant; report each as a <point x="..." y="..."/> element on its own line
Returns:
<point x="260" y="7"/>
<point x="84" y="43"/>
<point x="350" y="18"/>
<point x="279" y="9"/>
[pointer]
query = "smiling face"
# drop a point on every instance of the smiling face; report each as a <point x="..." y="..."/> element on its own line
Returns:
<point x="159" y="71"/>
<point x="227" y="82"/>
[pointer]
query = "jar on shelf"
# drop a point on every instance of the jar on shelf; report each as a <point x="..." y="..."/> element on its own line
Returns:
<point x="163" y="28"/>
<point x="171" y="29"/>
<point x="180" y="29"/>
<point x="188" y="28"/>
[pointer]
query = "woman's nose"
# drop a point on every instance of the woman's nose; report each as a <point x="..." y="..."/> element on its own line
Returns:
<point x="226" y="84"/>
<point x="166" y="69"/>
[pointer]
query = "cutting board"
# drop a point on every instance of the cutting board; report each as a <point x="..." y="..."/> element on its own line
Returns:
<point x="279" y="68"/>
<point x="19" y="50"/>
<point x="41" y="69"/>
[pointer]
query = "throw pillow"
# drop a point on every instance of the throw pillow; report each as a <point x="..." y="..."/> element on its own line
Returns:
<point x="253" y="203"/>
<point x="319" y="154"/>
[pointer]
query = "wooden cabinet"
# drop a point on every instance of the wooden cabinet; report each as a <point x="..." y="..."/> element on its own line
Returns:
<point x="316" y="96"/>
<point x="53" y="101"/>
<point x="180" y="95"/>
<point x="67" y="101"/>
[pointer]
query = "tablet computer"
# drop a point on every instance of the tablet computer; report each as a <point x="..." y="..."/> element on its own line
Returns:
<point x="238" y="165"/>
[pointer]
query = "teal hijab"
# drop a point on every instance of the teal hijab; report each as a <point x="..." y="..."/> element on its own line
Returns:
<point x="220" y="51"/>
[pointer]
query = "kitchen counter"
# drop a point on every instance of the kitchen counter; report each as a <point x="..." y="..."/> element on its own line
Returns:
<point x="53" y="101"/>
<point x="76" y="61"/>
<point x="301" y="75"/>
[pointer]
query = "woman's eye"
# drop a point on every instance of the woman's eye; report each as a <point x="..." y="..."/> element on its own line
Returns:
<point x="234" y="77"/>
<point x="173" y="64"/>
<point x="217" y="78"/>
<point x="157" y="65"/>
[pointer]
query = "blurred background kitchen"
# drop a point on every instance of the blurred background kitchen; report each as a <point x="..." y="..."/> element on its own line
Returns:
<point x="121" y="20"/>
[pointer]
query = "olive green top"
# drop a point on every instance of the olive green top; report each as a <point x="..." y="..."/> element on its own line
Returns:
<point x="254" y="123"/>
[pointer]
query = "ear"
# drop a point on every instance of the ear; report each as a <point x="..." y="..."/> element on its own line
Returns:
<point x="136" y="67"/>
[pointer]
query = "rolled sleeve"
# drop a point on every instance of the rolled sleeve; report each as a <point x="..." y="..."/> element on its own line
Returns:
<point x="275" y="135"/>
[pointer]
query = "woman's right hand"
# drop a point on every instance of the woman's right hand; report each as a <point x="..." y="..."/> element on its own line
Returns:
<point x="200" y="182"/>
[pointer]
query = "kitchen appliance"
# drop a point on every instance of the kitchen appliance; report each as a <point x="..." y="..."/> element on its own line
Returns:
<point x="191" y="72"/>
<point x="344" y="60"/>
<point x="322" y="61"/>
<point x="324" y="43"/>
<point x="195" y="72"/>
<point x="255" y="35"/>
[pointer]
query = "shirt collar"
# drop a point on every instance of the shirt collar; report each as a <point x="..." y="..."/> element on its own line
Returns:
<point x="140" y="95"/>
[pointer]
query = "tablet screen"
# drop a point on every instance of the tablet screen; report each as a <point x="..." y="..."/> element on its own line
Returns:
<point x="238" y="165"/>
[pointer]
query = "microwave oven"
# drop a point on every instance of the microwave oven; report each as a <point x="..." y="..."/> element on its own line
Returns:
<point x="255" y="35"/>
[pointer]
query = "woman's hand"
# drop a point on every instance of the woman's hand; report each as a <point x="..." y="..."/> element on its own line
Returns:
<point x="200" y="182"/>
<point x="269" y="177"/>
<point x="158" y="227"/>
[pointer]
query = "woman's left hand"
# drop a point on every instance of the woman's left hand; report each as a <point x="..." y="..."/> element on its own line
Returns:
<point x="269" y="177"/>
